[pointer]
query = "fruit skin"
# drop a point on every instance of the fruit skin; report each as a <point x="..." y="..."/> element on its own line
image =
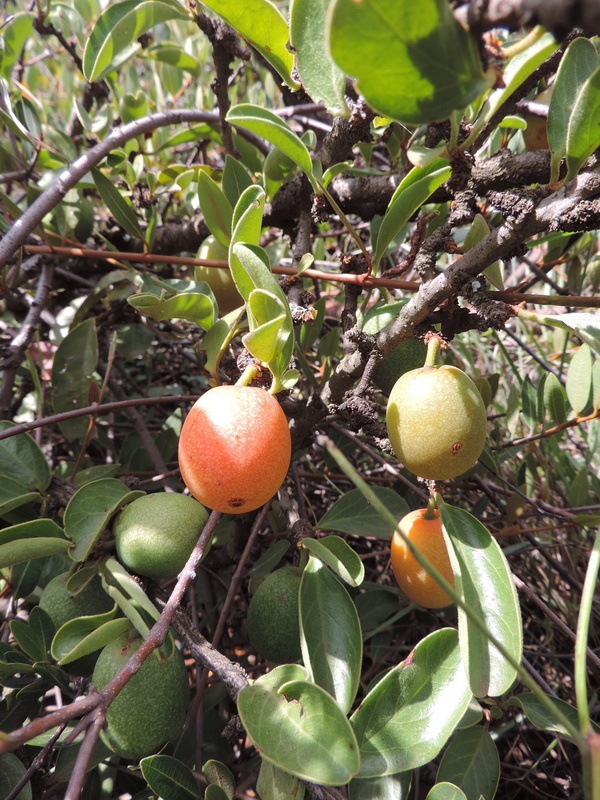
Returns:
<point x="408" y="355"/>
<point x="235" y="448"/>
<point x="156" y="534"/>
<point x="273" y="622"/>
<point x="11" y="772"/>
<point x="151" y="708"/>
<point x="436" y="422"/>
<point x="220" y="280"/>
<point x="414" y="580"/>
<point x="63" y="606"/>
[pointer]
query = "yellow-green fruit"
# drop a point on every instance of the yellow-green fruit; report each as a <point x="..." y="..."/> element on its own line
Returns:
<point x="436" y="422"/>
<point x="408" y="355"/>
<point x="156" y="534"/>
<point x="220" y="280"/>
<point x="151" y="708"/>
<point x="62" y="606"/>
<point x="11" y="772"/>
<point x="273" y="621"/>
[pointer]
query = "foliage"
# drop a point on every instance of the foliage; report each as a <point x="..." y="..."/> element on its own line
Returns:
<point x="363" y="168"/>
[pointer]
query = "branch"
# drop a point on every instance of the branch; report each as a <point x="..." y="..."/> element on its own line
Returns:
<point x="53" y="195"/>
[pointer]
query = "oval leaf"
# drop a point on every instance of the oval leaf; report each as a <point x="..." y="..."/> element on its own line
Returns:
<point x="422" y="48"/>
<point x="198" y="308"/>
<point x="73" y="365"/>
<point x="301" y="730"/>
<point x="579" y="379"/>
<point x="216" y="208"/>
<point x="268" y="125"/>
<point x="275" y="784"/>
<point x="118" y="205"/>
<point x="339" y="556"/>
<point x="555" y="399"/>
<point x="28" y="540"/>
<point x="353" y="514"/>
<point x="169" y="778"/>
<point x="472" y="763"/>
<point x="261" y="23"/>
<point x="89" y="510"/>
<point x="331" y="642"/>
<point x="22" y="460"/>
<point x="84" y="635"/>
<point x="488" y="590"/>
<point x="583" y="134"/>
<point x="118" y="28"/>
<point x="320" y="75"/>
<point x="407" y="718"/>
<point x="387" y="787"/>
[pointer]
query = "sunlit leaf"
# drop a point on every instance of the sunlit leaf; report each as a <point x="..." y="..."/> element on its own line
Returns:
<point x="471" y="762"/>
<point x="430" y="67"/>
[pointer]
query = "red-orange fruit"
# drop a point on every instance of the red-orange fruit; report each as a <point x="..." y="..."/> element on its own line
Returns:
<point x="235" y="448"/>
<point x="414" y="580"/>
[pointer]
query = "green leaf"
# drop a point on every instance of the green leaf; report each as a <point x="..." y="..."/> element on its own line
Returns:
<point x="275" y="784"/>
<point x="471" y="762"/>
<point x="236" y="179"/>
<point x="540" y="716"/>
<point x="577" y="65"/>
<point x="321" y="77"/>
<point x="331" y="643"/>
<point x="410" y="195"/>
<point x="216" y="208"/>
<point x="555" y="399"/>
<point x="300" y="729"/>
<point x="579" y="379"/>
<point x="386" y="787"/>
<point x="118" y="205"/>
<point x="264" y="27"/>
<point x="128" y="594"/>
<point x="445" y="791"/>
<point x="174" y="54"/>
<point x="585" y="326"/>
<point x="89" y="511"/>
<point x="421" y="47"/>
<point x="198" y="308"/>
<point x="23" y="462"/>
<point x="518" y="70"/>
<point x="169" y="778"/>
<point x="269" y="331"/>
<point x="583" y="135"/>
<point x="483" y="577"/>
<point x="28" y="540"/>
<point x="217" y="773"/>
<point x="339" y="556"/>
<point x="352" y="513"/>
<point x="406" y="719"/>
<point x="84" y="635"/>
<point x="28" y="640"/>
<point x="116" y="30"/>
<point x="268" y="125"/>
<point x="15" y="31"/>
<point x="73" y="365"/>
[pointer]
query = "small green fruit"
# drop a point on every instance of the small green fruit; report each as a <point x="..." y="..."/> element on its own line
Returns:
<point x="151" y="708"/>
<point x="273" y="617"/>
<point x="11" y="772"/>
<point x="408" y="355"/>
<point x="62" y="606"/>
<point x="220" y="280"/>
<point x="436" y="422"/>
<point x="156" y="534"/>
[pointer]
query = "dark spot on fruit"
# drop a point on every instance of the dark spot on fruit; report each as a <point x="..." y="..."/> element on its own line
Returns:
<point x="456" y="447"/>
<point x="237" y="502"/>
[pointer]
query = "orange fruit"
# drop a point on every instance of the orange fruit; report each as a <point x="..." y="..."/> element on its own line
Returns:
<point x="235" y="448"/>
<point x="414" y="580"/>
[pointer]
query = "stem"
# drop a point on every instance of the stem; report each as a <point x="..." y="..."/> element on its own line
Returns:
<point x="431" y="508"/>
<point x="433" y="348"/>
<point x="591" y="754"/>
<point x="248" y="375"/>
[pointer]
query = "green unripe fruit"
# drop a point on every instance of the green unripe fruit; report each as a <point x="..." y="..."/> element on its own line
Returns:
<point x="11" y="772"/>
<point x="436" y="422"/>
<point x="62" y="606"/>
<point x="220" y="280"/>
<point x="273" y="621"/>
<point x="151" y="708"/>
<point x="156" y="534"/>
<point x="408" y="355"/>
